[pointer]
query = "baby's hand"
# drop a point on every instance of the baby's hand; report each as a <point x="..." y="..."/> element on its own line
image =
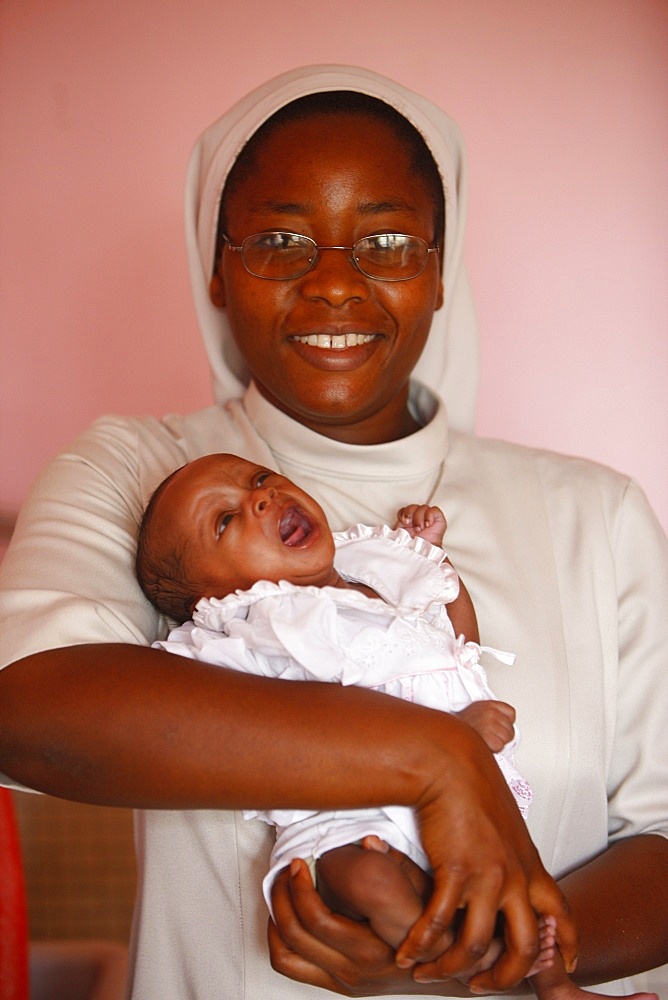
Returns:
<point x="493" y="720"/>
<point x="427" y="522"/>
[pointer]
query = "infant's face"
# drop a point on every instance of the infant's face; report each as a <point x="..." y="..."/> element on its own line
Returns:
<point x="238" y="522"/>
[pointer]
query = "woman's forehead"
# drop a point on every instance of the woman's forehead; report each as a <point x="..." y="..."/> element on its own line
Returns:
<point x="294" y="162"/>
<point x="348" y="132"/>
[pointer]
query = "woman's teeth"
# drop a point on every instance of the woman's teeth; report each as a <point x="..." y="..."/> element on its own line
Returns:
<point x="336" y="342"/>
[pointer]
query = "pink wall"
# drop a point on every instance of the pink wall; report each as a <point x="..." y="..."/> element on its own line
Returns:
<point x="564" y="110"/>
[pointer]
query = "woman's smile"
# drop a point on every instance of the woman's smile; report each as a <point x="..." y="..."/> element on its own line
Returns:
<point x="332" y="351"/>
<point x="336" y="341"/>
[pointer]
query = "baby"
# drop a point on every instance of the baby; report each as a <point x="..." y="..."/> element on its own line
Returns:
<point x="248" y="562"/>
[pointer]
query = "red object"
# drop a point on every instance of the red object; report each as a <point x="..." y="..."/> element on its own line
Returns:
<point x="13" y="910"/>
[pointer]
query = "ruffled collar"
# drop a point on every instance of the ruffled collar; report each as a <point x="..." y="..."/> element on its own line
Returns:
<point x="409" y="575"/>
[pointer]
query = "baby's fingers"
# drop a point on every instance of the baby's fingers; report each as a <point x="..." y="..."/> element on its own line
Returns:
<point x="405" y="516"/>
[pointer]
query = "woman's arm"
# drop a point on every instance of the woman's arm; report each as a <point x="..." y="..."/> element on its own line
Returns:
<point x="133" y="726"/>
<point x="620" y="904"/>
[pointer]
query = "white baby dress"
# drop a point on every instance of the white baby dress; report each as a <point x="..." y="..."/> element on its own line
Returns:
<point x="402" y="644"/>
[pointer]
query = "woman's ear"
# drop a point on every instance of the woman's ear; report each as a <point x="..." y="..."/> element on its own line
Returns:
<point x="439" y="296"/>
<point x="217" y="291"/>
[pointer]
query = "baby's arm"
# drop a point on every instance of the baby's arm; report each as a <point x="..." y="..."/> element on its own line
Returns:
<point x="430" y="523"/>
<point x="493" y="720"/>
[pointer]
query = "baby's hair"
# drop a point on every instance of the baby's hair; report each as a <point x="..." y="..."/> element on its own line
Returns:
<point x="162" y="571"/>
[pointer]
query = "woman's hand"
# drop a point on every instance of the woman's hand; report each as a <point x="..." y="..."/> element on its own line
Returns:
<point x="484" y="864"/>
<point x="310" y="944"/>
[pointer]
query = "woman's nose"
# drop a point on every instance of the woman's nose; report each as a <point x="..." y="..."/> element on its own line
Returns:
<point x="334" y="278"/>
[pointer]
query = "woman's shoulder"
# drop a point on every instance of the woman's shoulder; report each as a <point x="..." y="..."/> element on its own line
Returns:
<point x="143" y="449"/>
<point x="501" y="484"/>
<point x="508" y="465"/>
<point x="185" y="435"/>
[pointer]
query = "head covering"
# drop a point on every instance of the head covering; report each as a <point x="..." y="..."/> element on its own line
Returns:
<point x="449" y="363"/>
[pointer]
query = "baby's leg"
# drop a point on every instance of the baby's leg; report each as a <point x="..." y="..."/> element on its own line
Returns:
<point x="387" y="889"/>
<point x="553" y="983"/>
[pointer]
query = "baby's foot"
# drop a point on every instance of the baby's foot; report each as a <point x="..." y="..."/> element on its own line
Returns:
<point x="547" y="930"/>
<point x="567" y="990"/>
<point x="548" y="975"/>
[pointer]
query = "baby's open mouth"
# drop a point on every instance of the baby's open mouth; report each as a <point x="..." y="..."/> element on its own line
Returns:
<point x="294" y="527"/>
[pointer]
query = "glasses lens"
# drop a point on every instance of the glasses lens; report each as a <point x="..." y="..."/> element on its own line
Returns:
<point x="391" y="256"/>
<point x="278" y="255"/>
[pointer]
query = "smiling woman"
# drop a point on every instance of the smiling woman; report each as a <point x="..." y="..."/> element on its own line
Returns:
<point x="361" y="390"/>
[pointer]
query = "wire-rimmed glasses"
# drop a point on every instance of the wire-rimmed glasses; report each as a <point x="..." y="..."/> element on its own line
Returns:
<point x="280" y="255"/>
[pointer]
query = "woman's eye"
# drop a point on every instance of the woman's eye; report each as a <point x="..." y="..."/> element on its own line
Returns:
<point x="223" y="523"/>
<point x="280" y="241"/>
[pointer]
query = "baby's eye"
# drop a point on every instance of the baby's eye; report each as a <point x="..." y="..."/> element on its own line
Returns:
<point x="262" y="477"/>
<point x="223" y="523"/>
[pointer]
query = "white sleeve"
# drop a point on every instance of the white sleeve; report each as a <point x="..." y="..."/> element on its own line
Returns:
<point x="68" y="576"/>
<point x="638" y="771"/>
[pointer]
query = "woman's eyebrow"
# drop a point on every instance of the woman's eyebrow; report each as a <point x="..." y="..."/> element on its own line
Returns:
<point x="270" y="207"/>
<point x="283" y="208"/>
<point x="387" y="205"/>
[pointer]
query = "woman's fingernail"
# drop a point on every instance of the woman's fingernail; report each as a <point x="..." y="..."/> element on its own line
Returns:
<point x="573" y="966"/>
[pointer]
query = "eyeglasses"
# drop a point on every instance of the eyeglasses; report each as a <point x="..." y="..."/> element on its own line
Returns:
<point x="280" y="256"/>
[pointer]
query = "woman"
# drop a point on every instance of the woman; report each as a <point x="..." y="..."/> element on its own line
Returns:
<point x="331" y="344"/>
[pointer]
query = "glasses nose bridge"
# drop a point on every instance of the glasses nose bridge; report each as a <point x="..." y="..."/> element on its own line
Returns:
<point x="350" y="258"/>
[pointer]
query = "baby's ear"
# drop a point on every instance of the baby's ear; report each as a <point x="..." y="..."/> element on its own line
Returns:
<point x="217" y="291"/>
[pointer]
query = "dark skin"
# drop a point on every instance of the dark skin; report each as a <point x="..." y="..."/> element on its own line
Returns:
<point x="126" y="725"/>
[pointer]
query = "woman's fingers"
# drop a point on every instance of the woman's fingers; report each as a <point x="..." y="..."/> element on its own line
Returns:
<point x="474" y="930"/>
<point x="521" y="946"/>
<point x="435" y="923"/>
<point x="309" y="943"/>
<point x="549" y="899"/>
<point x="291" y="964"/>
